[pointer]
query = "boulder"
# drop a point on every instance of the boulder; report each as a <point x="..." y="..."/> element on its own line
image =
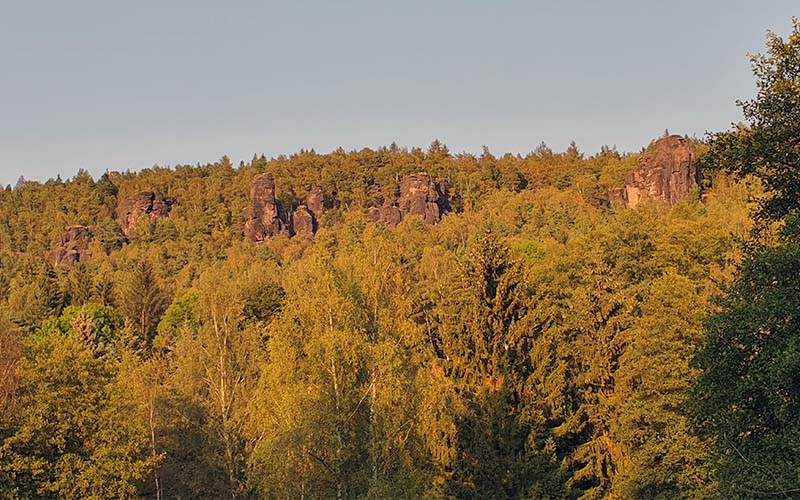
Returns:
<point x="667" y="171"/>
<point x="151" y="204"/>
<point x="263" y="218"/>
<point x="73" y="247"/>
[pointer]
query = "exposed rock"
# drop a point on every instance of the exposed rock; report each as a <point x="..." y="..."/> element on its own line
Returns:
<point x="150" y="204"/>
<point x="387" y="214"/>
<point x="315" y="201"/>
<point x="419" y="195"/>
<point x="667" y="172"/>
<point x="263" y="217"/>
<point x="616" y="197"/>
<point x="303" y="221"/>
<point x="73" y="247"/>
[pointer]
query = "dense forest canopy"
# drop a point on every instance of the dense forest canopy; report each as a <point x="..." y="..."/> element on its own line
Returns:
<point x="612" y="326"/>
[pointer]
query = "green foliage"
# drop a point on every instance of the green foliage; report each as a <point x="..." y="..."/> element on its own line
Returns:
<point x="33" y="296"/>
<point x="93" y="324"/>
<point x="663" y="457"/>
<point x="335" y="403"/>
<point x="69" y="435"/>
<point x="10" y="354"/>
<point x="746" y="398"/>
<point x="179" y="317"/>
<point x="483" y="341"/>
<point x="767" y="147"/>
<point x="142" y="301"/>
<point x="533" y="344"/>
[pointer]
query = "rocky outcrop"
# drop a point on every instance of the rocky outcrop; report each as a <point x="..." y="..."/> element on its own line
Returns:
<point x="387" y="214"/>
<point x="420" y="196"/>
<point x="151" y="204"/>
<point x="263" y="218"/>
<point x="315" y="201"/>
<point x="73" y="247"/>
<point x="303" y="222"/>
<point x="667" y="171"/>
<point x="305" y="218"/>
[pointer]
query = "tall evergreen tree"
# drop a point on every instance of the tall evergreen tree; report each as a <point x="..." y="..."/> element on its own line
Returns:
<point x="142" y="300"/>
<point x="483" y="343"/>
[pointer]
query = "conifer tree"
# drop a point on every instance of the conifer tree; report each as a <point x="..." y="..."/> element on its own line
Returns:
<point x="483" y="341"/>
<point x="142" y="301"/>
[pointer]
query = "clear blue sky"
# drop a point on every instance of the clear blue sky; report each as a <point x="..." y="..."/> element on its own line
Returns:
<point x="126" y="85"/>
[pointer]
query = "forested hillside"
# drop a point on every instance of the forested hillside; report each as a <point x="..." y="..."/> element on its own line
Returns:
<point x="399" y="323"/>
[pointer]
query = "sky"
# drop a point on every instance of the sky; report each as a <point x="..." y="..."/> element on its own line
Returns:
<point x="121" y="86"/>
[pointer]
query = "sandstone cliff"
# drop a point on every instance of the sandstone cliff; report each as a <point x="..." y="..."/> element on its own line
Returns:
<point x="305" y="219"/>
<point x="73" y="247"/>
<point x="315" y="201"/>
<point x="303" y="222"/>
<point x="667" y="171"/>
<point x="152" y="204"/>
<point x="419" y="195"/>
<point x="263" y="218"/>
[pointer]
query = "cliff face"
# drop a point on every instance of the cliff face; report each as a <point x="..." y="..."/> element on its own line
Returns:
<point x="387" y="214"/>
<point x="667" y="171"/>
<point x="152" y="204"/>
<point x="73" y="247"/>
<point x="263" y="217"/>
<point x="420" y="196"/>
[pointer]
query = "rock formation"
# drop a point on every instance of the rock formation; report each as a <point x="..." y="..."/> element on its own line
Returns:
<point x="305" y="219"/>
<point x="387" y="214"/>
<point x="315" y="201"/>
<point x="667" y="172"/>
<point x="419" y="195"/>
<point x="263" y="217"/>
<point x="150" y="204"/>
<point x="303" y="222"/>
<point x="73" y="247"/>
